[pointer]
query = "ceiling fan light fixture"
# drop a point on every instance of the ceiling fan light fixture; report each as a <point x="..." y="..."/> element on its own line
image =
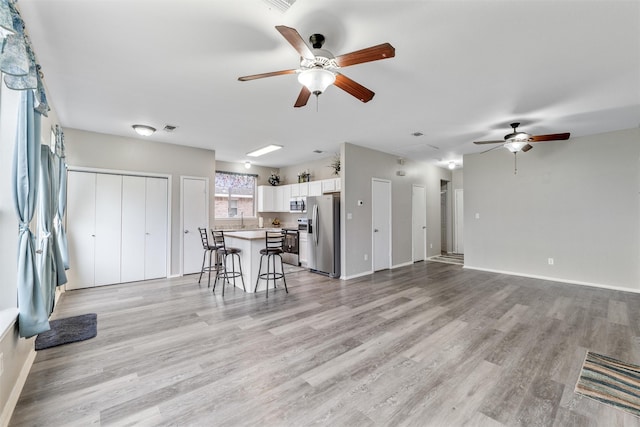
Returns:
<point x="317" y="80"/>
<point x="515" y="145"/>
<point x="144" y="130"/>
<point x="264" y="150"/>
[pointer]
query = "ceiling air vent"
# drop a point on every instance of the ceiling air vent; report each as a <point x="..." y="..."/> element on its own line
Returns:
<point x="169" y="128"/>
<point x="281" y="5"/>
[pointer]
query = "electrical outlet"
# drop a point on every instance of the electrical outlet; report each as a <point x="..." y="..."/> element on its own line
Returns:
<point x="550" y="261"/>
<point x="430" y="245"/>
<point x="366" y="257"/>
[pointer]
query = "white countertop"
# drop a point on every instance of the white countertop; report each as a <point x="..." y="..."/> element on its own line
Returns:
<point x="249" y="234"/>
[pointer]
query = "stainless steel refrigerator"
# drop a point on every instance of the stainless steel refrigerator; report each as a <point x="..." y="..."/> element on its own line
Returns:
<point x="323" y="213"/>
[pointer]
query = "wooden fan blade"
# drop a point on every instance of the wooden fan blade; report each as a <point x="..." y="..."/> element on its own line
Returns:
<point x="488" y="142"/>
<point x="303" y="97"/>
<point x="526" y="148"/>
<point x="263" y="75"/>
<point x="353" y="88"/>
<point x="293" y="37"/>
<point x="550" y="137"/>
<point x="373" y="53"/>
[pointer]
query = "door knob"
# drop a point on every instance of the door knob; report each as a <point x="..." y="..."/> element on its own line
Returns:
<point x="375" y="230"/>
<point x="423" y="227"/>
<point x="186" y="231"/>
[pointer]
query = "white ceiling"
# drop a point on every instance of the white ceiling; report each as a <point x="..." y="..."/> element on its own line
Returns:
<point x="463" y="71"/>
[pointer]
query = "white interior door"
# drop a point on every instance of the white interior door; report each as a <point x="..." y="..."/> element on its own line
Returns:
<point x="381" y="221"/>
<point x="458" y="228"/>
<point x="133" y="226"/>
<point x="419" y="222"/>
<point x="108" y="226"/>
<point x="156" y="217"/>
<point x="195" y="213"/>
<point x="81" y="228"/>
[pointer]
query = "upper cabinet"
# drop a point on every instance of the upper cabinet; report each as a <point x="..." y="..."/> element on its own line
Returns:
<point x="331" y="185"/>
<point x="315" y="188"/>
<point x="276" y="198"/>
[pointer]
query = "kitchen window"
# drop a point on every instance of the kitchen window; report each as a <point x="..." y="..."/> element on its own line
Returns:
<point x="235" y="195"/>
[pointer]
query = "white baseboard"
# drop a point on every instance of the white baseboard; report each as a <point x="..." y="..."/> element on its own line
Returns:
<point x="365" y="273"/>
<point x="404" y="264"/>
<point x="7" y="411"/>
<point x="555" y="279"/>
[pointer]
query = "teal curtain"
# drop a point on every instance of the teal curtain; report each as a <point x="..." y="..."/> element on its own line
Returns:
<point x="33" y="313"/>
<point x="51" y="267"/>
<point x="62" y="198"/>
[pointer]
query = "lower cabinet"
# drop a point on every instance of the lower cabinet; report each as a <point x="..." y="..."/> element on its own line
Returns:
<point x="116" y="228"/>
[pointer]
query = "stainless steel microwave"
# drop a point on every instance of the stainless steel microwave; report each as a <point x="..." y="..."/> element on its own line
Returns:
<point x="297" y="205"/>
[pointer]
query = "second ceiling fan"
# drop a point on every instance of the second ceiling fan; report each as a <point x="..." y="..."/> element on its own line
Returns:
<point x="319" y="68"/>
<point x="519" y="141"/>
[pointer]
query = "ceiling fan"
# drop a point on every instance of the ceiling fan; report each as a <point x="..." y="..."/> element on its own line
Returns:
<point x="319" y="68"/>
<point x="519" y="141"/>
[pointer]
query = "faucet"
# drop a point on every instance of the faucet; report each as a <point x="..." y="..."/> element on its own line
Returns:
<point x="241" y="219"/>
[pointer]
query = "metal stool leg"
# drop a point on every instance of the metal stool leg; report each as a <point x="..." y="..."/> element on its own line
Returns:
<point x="284" y="279"/>
<point x="204" y="257"/>
<point x="241" y="274"/>
<point x="259" y="270"/>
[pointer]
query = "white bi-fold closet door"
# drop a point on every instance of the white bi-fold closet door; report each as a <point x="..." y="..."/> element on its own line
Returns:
<point x="117" y="228"/>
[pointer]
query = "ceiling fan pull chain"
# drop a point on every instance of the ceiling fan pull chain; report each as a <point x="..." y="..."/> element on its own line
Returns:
<point x="515" y="163"/>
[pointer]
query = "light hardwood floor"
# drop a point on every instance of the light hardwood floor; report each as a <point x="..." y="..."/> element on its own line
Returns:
<point x="427" y="345"/>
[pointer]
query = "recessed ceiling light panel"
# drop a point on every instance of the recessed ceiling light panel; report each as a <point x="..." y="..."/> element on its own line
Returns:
<point x="264" y="150"/>
<point x="281" y="5"/>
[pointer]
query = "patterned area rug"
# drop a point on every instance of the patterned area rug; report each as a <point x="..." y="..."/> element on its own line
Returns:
<point x="610" y="381"/>
<point x="68" y="330"/>
<point x="449" y="258"/>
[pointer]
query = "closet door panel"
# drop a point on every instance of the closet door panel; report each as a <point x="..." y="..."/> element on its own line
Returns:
<point x="108" y="228"/>
<point x="81" y="213"/>
<point x="133" y="227"/>
<point x="155" y="259"/>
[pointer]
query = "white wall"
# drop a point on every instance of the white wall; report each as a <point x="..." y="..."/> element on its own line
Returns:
<point x="576" y="201"/>
<point x="360" y="166"/>
<point x="319" y="169"/>
<point x="97" y="150"/>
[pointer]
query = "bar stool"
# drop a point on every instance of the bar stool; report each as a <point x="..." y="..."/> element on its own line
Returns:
<point x="211" y="250"/>
<point x="224" y="252"/>
<point x="274" y="241"/>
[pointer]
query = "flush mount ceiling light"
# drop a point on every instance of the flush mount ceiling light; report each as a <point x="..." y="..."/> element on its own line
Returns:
<point x="144" y="130"/>
<point x="247" y="165"/>
<point x="452" y="165"/>
<point x="264" y="150"/>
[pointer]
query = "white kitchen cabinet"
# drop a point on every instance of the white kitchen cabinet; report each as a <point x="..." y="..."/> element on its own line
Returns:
<point x="331" y="185"/>
<point x="266" y="198"/>
<point x="295" y="190"/>
<point x="304" y="189"/>
<point x="274" y="198"/>
<point x="117" y="228"/>
<point x="303" y="248"/>
<point x="278" y="198"/>
<point x="286" y="198"/>
<point x="315" y="188"/>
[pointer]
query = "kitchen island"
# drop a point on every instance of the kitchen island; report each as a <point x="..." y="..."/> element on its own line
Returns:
<point x="250" y="242"/>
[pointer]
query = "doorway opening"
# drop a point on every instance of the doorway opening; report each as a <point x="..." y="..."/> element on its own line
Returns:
<point x="446" y="234"/>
